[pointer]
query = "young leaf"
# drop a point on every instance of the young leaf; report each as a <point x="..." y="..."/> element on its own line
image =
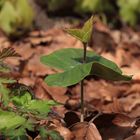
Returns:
<point x="4" y="92"/>
<point x="54" y="135"/>
<point x="75" y="70"/>
<point x="21" y="100"/>
<point x="16" y="134"/>
<point x="9" y="120"/>
<point x="39" y="107"/>
<point x="83" y="34"/>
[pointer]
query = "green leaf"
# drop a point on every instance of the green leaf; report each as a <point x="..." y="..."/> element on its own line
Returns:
<point x="16" y="134"/>
<point x="69" y="77"/>
<point x="54" y="135"/>
<point x="13" y="14"/>
<point x="7" y="81"/>
<point x="22" y="100"/>
<point x="9" y="121"/>
<point x="70" y="60"/>
<point x="88" y="6"/>
<point x="129" y="11"/>
<point x="4" y="91"/>
<point x="7" y="17"/>
<point x="21" y="89"/>
<point x="25" y="13"/>
<point x="83" y="34"/>
<point x="40" y="107"/>
<point x="43" y="133"/>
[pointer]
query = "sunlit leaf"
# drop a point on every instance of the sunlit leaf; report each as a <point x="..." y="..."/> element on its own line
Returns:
<point x="129" y="11"/>
<point x="13" y="14"/>
<point x="5" y="21"/>
<point x="22" y="100"/>
<point x="83" y="34"/>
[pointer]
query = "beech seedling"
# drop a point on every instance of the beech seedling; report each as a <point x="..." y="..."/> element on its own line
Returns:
<point x="77" y="64"/>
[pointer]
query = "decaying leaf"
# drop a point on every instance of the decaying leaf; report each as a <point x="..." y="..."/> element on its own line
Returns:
<point x="85" y="131"/>
<point x="116" y="126"/>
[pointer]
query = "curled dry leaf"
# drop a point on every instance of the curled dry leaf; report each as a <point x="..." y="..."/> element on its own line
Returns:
<point x="65" y="132"/>
<point x="85" y="131"/>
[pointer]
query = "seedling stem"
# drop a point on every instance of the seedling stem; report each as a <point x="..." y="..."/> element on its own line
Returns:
<point x="82" y="85"/>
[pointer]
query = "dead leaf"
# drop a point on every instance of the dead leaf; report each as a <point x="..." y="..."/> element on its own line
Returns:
<point x="116" y="126"/>
<point x="65" y="132"/>
<point x="85" y="131"/>
<point x="43" y="91"/>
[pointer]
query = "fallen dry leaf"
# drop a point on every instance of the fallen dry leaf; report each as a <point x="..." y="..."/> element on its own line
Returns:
<point x="85" y="131"/>
<point x="116" y="126"/>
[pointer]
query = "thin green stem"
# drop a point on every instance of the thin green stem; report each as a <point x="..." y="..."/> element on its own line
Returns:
<point x="82" y="86"/>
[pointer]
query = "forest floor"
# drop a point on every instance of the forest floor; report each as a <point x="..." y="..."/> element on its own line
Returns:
<point x="119" y="102"/>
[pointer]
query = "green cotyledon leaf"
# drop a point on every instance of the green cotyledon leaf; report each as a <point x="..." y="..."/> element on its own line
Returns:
<point x="70" y="61"/>
<point x="68" y="58"/>
<point x="83" y="34"/>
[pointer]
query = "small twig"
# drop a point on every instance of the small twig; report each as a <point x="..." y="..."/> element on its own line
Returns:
<point x="96" y="116"/>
